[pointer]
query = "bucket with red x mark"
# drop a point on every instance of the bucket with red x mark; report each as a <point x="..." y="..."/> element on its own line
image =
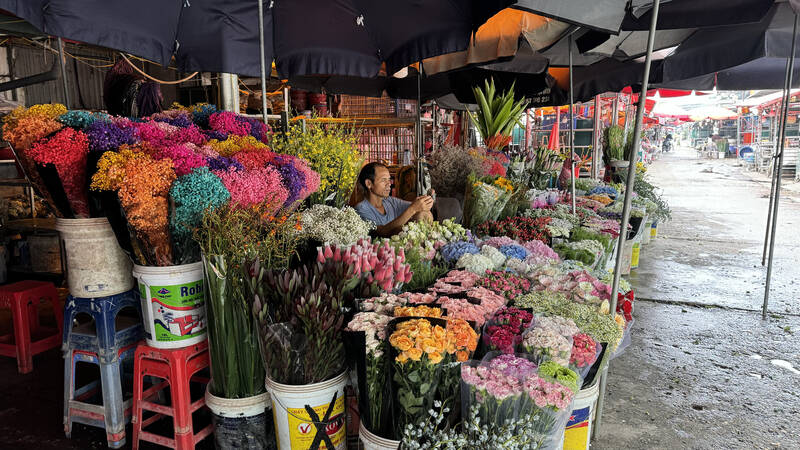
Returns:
<point x="310" y="416"/>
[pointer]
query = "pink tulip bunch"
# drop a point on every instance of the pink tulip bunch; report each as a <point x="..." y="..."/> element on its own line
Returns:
<point x="377" y="265"/>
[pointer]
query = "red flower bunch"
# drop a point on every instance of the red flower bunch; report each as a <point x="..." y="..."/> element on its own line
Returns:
<point x="67" y="151"/>
<point x="519" y="228"/>
<point x="584" y="350"/>
<point x="505" y="329"/>
<point x="254" y="158"/>
<point x="505" y="283"/>
<point x="625" y="305"/>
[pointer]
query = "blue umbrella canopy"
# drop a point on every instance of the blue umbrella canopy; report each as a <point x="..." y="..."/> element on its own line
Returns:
<point x="304" y="37"/>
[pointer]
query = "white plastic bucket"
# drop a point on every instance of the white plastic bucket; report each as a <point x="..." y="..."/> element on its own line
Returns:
<point x="173" y="304"/>
<point x="578" y="432"/>
<point x="237" y="407"/>
<point x="96" y="265"/>
<point x="646" y="234"/>
<point x="374" y="442"/>
<point x="293" y="427"/>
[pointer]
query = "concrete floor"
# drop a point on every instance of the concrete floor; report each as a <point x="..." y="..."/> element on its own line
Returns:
<point x="704" y="371"/>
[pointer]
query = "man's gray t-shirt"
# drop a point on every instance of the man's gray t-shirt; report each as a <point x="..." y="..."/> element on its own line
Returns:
<point x="394" y="208"/>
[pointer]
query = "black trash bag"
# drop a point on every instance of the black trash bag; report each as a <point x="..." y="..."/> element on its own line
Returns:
<point x="52" y="182"/>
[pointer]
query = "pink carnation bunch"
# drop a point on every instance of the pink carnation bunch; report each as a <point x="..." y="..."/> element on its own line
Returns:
<point x="584" y="350"/>
<point x="546" y="394"/>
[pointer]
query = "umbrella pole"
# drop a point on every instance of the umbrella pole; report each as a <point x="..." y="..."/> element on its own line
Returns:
<point x="263" y="60"/>
<point x="419" y="133"/>
<point x="572" y="129"/>
<point x="62" y="63"/>
<point x="784" y="115"/>
<point x="598" y="106"/>
<point x="776" y="167"/>
<point x="769" y="210"/>
<point x="626" y="208"/>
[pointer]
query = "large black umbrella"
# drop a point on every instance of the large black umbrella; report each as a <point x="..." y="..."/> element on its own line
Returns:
<point x="344" y="37"/>
<point x="749" y="56"/>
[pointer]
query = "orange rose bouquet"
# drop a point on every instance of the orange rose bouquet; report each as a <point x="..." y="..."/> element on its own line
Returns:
<point x="419" y="347"/>
<point x="423" y="349"/>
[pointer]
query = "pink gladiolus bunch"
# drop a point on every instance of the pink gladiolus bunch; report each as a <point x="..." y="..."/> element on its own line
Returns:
<point x="584" y="350"/>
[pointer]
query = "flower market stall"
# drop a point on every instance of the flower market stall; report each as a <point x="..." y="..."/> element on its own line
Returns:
<point x="491" y="331"/>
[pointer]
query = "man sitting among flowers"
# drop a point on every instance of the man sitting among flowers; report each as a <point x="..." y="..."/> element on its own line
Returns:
<point x="387" y="212"/>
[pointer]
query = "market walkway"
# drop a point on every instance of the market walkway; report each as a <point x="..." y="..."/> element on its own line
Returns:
<point x="704" y="371"/>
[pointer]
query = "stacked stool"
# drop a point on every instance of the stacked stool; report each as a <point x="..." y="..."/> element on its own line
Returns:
<point x="177" y="368"/>
<point x="23" y="299"/>
<point x="113" y="342"/>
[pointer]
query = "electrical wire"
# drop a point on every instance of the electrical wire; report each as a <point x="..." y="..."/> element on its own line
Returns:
<point x="144" y="74"/>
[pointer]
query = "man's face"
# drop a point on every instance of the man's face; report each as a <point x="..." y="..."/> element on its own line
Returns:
<point x="382" y="185"/>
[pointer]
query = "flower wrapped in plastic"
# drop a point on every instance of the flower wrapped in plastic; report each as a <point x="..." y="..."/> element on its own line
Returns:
<point x="475" y="263"/>
<point x="419" y="347"/>
<point x="374" y="327"/>
<point x="485" y="199"/>
<point x="546" y="342"/>
<point x="453" y="251"/>
<point x="504" y="331"/>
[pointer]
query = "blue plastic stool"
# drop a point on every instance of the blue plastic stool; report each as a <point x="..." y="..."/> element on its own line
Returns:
<point x="107" y="348"/>
<point x="104" y="311"/>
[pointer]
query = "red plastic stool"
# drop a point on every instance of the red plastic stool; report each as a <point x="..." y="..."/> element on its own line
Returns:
<point x="23" y="299"/>
<point x="176" y="367"/>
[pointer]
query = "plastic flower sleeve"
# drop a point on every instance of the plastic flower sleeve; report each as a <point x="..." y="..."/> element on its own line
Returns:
<point x="546" y="343"/>
<point x="416" y="349"/>
<point x="626" y="340"/>
<point x="283" y="352"/>
<point x="372" y="386"/>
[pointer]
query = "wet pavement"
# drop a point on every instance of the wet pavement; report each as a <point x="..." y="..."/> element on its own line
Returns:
<point x="704" y="371"/>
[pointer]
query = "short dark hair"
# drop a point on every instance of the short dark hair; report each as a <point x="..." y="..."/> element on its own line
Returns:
<point x="368" y="173"/>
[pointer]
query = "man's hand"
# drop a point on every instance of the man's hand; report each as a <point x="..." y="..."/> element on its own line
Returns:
<point x="422" y="204"/>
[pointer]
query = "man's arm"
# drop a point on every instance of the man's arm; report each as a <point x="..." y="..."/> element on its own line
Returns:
<point x="394" y="227"/>
<point x="419" y="205"/>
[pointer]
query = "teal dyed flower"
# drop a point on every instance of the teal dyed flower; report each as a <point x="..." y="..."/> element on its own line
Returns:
<point x="192" y="194"/>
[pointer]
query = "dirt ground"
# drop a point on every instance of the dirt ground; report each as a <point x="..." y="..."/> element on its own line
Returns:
<point x="704" y="371"/>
